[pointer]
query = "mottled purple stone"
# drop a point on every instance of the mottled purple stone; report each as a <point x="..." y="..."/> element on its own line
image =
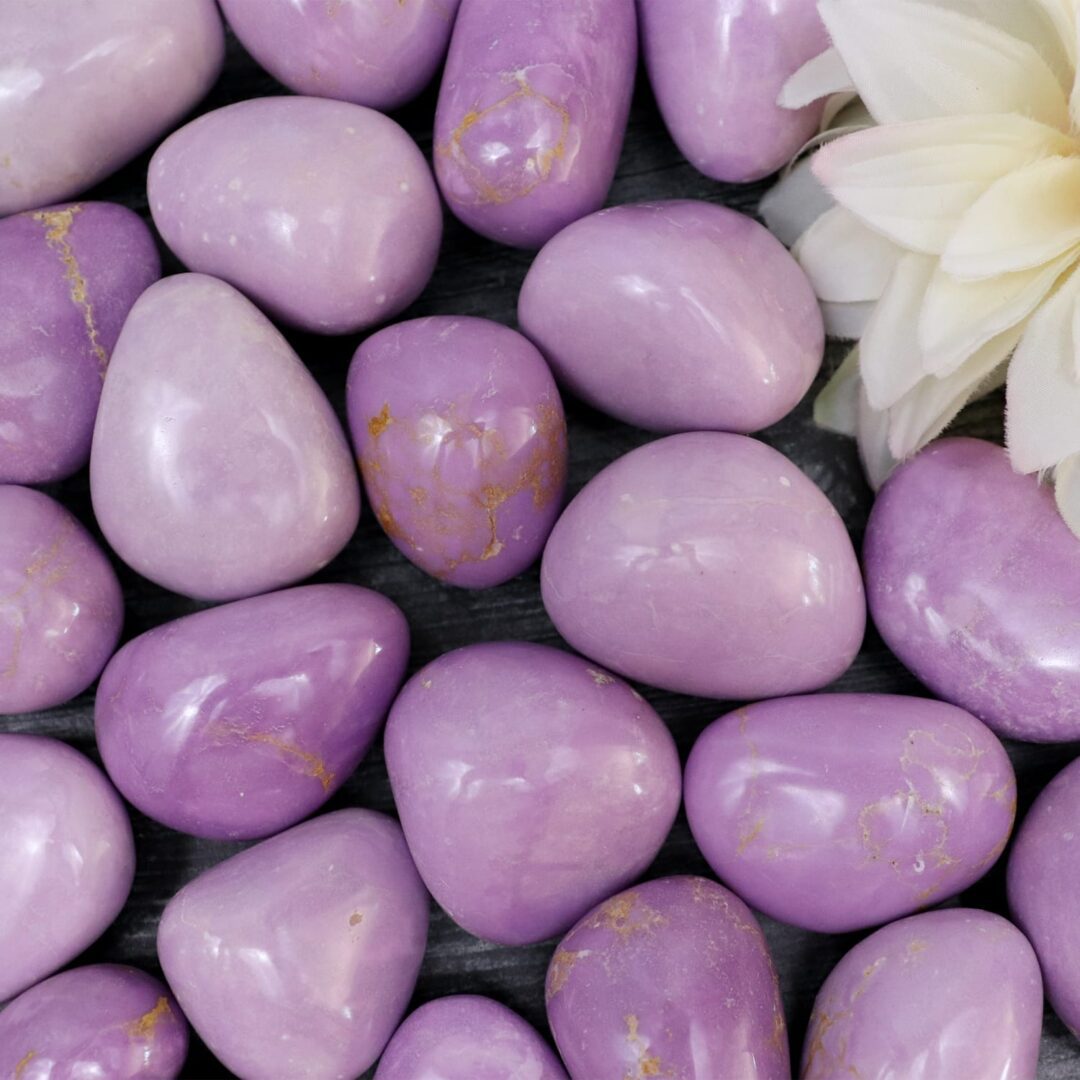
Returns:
<point x="101" y="1022"/>
<point x="529" y="784"/>
<point x="840" y="811"/>
<point x="467" y="1038"/>
<point x="462" y="442"/>
<point x="938" y="996"/>
<point x="67" y="858"/>
<point x="708" y="564"/>
<point x="217" y="727"/>
<point x="675" y="316"/>
<point x="61" y="608"/>
<point x="68" y="277"/>
<point x="717" y="68"/>
<point x="297" y="957"/>
<point x="973" y="581"/>
<point x="532" y="112"/>
<point x="672" y="978"/>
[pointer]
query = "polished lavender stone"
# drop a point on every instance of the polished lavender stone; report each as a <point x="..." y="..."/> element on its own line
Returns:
<point x="840" y="811"/>
<point x="973" y="580"/>
<point x="218" y="468"/>
<point x="708" y="564"/>
<point x="101" y="1022"/>
<point x="670" y="979"/>
<point x="938" y="996"/>
<point x="84" y="87"/>
<point x="67" y="858"/>
<point x="61" y="608"/>
<point x="467" y="1038"/>
<point x="717" y="68"/>
<point x="532" y="112"/>
<point x="530" y="786"/>
<point x="215" y="727"/>
<point x="462" y="442"/>
<point x="675" y="316"/>
<point x="68" y="277"/>
<point x="379" y="53"/>
<point x="297" y="957"/>
<point x="323" y="212"/>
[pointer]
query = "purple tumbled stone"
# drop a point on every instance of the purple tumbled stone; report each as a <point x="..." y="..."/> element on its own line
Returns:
<point x="675" y="316"/>
<point x="717" y="68"/>
<point x="88" y="86"/>
<point x="297" y="957"/>
<point x="708" y="564"/>
<point x="973" y="580"/>
<point x="68" y="277"/>
<point x="67" y="857"/>
<point x="101" y="1022"/>
<point x="323" y="212"/>
<point x="672" y="978"/>
<point x="840" y="811"/>
<point x="530" y="785"/>
<point x="937" y="996"/>
<point x="532" y="111"/>
<point x="218" y="467"/>
<point x="61" y="608"/>
<point x="462" y="443"/>
<point x="216" y="727"/>
<point x="467" y="1038"/>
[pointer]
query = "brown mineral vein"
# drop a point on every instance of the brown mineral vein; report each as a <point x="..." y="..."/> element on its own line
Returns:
<point x="314" y="766"/>
<point x="20" y="1066"/>
<point x="145" y="1026"/>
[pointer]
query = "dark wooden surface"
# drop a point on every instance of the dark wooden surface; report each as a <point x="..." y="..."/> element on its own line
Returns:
<point x="476" y="277"/>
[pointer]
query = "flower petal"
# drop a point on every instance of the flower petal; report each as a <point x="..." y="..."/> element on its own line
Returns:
<point x="847" y="321"/>
<point x="794" y="203"/>
<point x="873" y="440"/>
<point x="818" y="78"/>
<point x="844" y="260"/>
<point x="836" y="408"/>
<point x="1067" y="491"/>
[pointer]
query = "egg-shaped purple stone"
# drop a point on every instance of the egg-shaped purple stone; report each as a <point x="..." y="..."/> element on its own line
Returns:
<point x="297" y="957"/>
<point x="675" y="316"/>
<point x="462" y="443"/>
<point x="671" y="978"/>
<point x="973" y="580"/>
<point x="937" y="996"/>
<point x="61" y="608"/>
<point x="216" y="727"/>
<point x="323" y="212"/>
<point x="101" y="1021"/>
<point x="67" y="857"/>
<point x="68" y="277"/>
<point x="467" y="1038"/>
<point x="840" y="811"/>
<point x="708" y="564"/>
<point x="532" y="112"/>
<point x="530" y="785"/>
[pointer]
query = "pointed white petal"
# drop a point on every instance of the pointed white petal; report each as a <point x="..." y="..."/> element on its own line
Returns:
<point x="836" y="408"/>
<point x="794" y="203"/>
<point x="873" y="440"/>
<point x="825" y="74"/>
<point x="1062" y="16"/>
<point x="844" y="260"/>
<point x="1067" y="491"/>
<point x="847" y="321"/>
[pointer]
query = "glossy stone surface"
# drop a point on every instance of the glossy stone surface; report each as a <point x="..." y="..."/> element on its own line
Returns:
<point x="61" y="608"/>
<point x="322" y="212"/>
<point x="675" y="316"/>
<point x="297" y="957"/>
<point x="107" y="1021"/>
<point x="218" y="467"/>
<point x="717" y="68"/>
<point x="840" y="811"/>
<point x="532" y="111"/>
<point x="68" y="277"/>
<point x="935" y="996"/>
<point x="85" y="94"/>
<point x="708" y="564"/>
<point x="462" y="443"/>
<point x="973" y="580"/>
<point x="467" y="1038"/>
<point x="216" y="727"/>
<point x="672" y="978"/>
<point x="530" y="786"/>
<point x="67" y="858"/>
<point x="379" y="53"/>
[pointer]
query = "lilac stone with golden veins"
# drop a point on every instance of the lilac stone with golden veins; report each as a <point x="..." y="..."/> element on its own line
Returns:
<point x="462" y="443"/>
<point x="532" y="112"/>
<point x="670" y="978"/>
